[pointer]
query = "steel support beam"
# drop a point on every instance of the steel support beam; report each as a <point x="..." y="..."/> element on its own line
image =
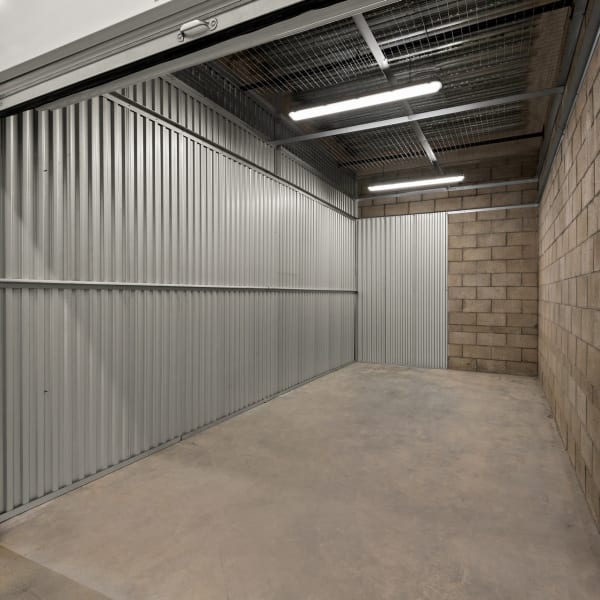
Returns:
<point x="432" y="114"/>
<point x="378" y="55"/>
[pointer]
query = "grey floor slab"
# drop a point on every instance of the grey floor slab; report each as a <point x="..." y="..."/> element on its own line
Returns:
<point x="371" y="482"/>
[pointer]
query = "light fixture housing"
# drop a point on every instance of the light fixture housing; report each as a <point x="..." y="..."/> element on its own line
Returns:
<point x="422" y="89"/>
<point x="407" y="185"/>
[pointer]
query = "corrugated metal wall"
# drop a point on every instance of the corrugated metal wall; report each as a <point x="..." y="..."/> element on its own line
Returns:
<point x="183" y="105"/>
<point x="402" y="290"/>
<point x="151" y="283"/>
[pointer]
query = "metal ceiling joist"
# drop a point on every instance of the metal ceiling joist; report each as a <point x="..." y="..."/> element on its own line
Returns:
<point x="100" y="70"/>
<point x="367" y="34"/>
<point x="419" y="116"/>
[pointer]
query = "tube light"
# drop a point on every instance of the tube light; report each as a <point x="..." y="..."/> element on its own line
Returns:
<point x="413" y="91"/>
<point x="403" y="185"/>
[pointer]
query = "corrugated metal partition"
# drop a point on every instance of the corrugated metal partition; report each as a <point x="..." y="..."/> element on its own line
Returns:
<point x="150" y="283"/>
<point x="402" y="290"/>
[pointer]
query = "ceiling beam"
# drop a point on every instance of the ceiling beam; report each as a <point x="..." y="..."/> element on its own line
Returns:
<point x="379" y="56"/>
<point x="431" y="114"/>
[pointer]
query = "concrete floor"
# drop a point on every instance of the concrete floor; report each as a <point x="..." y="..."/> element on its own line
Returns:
<point x="372" y="482"/>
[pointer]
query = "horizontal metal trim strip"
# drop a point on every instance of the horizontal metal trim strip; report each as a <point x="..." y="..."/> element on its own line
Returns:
<point x="490" y="208"/>
<point x="90" y="478"/>
<point x="56" y="283"/>
<point x="157" y="117"/>
<point x="453" y="188"/>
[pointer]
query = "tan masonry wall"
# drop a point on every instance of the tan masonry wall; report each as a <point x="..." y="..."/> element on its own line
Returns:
<point x="427" y="202"/>
<point x="569" y="252"/>
<point x="492" y="291"/>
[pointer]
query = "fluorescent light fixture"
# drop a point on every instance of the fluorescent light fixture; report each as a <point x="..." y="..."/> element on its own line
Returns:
<point x="404" y="185"/>
<point x="413" y="91"/>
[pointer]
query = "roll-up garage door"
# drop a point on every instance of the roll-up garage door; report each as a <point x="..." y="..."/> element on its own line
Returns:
<point x="129" y="42"/>
<point x="402" y="290"/>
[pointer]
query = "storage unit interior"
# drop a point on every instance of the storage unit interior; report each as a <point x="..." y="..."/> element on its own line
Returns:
<point x="177" y="250"/>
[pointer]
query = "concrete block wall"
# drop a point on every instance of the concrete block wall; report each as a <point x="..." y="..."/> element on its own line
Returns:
<point x="569" y="254"/>
<point x="492" y="291"/>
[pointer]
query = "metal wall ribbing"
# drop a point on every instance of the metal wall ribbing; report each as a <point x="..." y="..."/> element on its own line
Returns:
<point x="150" y="283"/>
<point x="183" y="105"/>
<point x="402" y="285"/>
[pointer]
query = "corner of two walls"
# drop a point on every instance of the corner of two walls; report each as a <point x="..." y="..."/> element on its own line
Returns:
<point x="492" y="274"/>
<point x="569" y="255"/>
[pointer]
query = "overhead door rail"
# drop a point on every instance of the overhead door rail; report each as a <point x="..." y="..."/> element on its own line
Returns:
<point x="166" y="46"/>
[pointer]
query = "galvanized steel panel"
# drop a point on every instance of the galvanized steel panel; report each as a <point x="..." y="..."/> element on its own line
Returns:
<point x="112" y="221"/>
<point x="402" y="290"/>
<point x="181" y="104"/>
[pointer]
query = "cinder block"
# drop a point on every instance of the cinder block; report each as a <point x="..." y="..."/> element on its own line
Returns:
<point x="455" y="254"/>
<point x="506" y="252"/>
<point x="506" y="306"/>
<point x="483" y="201"/>
<point x="522" y="238"/>
<point x="522" y="341"/>
<point x="479" y="279"/>
<point x="462" y="337"/>
<point x="529" y="355"/>
<point x="491" y="339"/>
<point x="522" y="320"/>
<point x="506" y="279"/>
<point x="462" y="267"/>
<point x="461" y="318"/>
<point x="522" y="293"/>
<point x="454" y="350"/>
<point x="424" y="206"/>
<point x="477" y="351"/>
<point x="491" y="366"/>
<point x="462" y="293"/>
<point x="371" y="211"/>
<point x="462" y="364"/>
<point x="491" y="239"/>
<point x="506" y="353"/>
<point x="506" y="225"/>
<point x="529" y="306"/>
<point x="462" y="241"/>
<point x="491" y="319"/>
<point x="392" y="210"/>
<point x="477" y="306"/>
<point x="521" y="368"/>
<point x="448" y="204"/>
<point x="522" y="266"/>
<point x="476" y="227"/>
<point x="491" y="293"/>
<point x="506" y="198"/>
<point x="462" y="217"/>
<point x="491" y="266"/>
<point x="477" y="254"/>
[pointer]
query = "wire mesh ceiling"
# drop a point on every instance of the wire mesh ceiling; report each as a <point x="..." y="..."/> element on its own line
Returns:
<point x="478" y="49"/>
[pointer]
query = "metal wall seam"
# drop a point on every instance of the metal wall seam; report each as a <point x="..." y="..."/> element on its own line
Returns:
<point x="402" y="290"/>
<point x="120" y="235"/>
